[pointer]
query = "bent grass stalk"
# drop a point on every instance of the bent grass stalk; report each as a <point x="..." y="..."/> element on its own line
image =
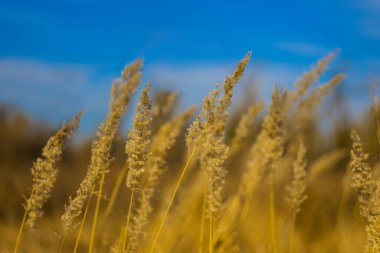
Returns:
<point x="189" y="159"/>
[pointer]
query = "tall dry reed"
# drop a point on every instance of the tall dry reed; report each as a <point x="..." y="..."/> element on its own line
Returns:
<point x="122" y="91"/>
<point x="368" y="192"/>
<point x="45" y="175"/>
<point x="137" y="150"/>
<point x="155" y="166"/>
<point x="210" y="124"/>
<point x="297" y="190"/>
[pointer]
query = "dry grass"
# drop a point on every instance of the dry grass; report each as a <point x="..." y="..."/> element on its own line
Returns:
<point x="276" y="185"/>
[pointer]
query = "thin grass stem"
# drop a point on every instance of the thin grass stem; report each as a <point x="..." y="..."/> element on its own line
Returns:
<point x="115" y="190"/>
<point x="189" y="159"/>
<point x="202" y="227"/>
<point x="272" y="214"/>
<point x="21" y="229"/>
<point x="82" y="223"/>
<point x="96" y="214"/>
<point x="128" y="219"/>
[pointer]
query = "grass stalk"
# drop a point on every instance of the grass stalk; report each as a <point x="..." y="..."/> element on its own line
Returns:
<point x="96" y="214"/>
<point x="21" y="229"/>
<point x="115" y="190"/>
<point x="291" y="234"/>
<point x="211" y="243"/>
<point x="189" y="159"/>
<point x="202" y="226"/>
<point x="211" y="246"/>
<point x="128" y="219"/>
<point x="272" y="213"/>
<point x="62" y="243"/>
<point x="82" y="223"/>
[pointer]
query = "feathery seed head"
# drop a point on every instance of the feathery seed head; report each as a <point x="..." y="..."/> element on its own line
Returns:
<point x="228" y="85"/>
<point x="44" y="171"/>
<point x="204" y="122"/>
<point x="273" y="126"/>
<point x="214" y="114"/>
<point x="155" y="165"/>
<point x="100" y="160"/>
<point x="373" y="221"/>
<point x="208" y="130"/>
<point x="212" y="159"/>
<point x="362" y="176"/>
<point x="368" y="193"/>
<point x="139" y="139"/>
<point x="303" y="84"/>
<point x="306" y="111"/>
<point x="324" y="90"/>
<point x="269" y="145"/>
<point x="130" y="71"/>
<point x="296" y="189"/>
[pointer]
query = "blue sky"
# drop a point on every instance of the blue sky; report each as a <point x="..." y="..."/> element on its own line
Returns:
<point x="58" y="57"/>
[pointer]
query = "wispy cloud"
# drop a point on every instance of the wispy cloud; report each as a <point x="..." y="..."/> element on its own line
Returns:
<point x="302" y="48"/>
<point x="54" y="91"/>
<point x="47" y="74"/>
<point x="26" y="82"/>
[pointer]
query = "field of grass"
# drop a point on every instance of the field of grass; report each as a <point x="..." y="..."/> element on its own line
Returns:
<point x="269" y="177"/>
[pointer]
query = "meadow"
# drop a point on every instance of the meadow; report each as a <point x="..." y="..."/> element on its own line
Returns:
<point x="216" y="177"/>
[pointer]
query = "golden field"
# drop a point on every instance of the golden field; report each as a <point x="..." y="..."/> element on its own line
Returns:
<point x="267" y="177"/>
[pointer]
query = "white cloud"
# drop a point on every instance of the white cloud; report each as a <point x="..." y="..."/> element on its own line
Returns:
<point x="302" y="48"/>
<point x="24" y="80"/>
<point x="47" y="74"/>
<point x="54" y="91"/>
